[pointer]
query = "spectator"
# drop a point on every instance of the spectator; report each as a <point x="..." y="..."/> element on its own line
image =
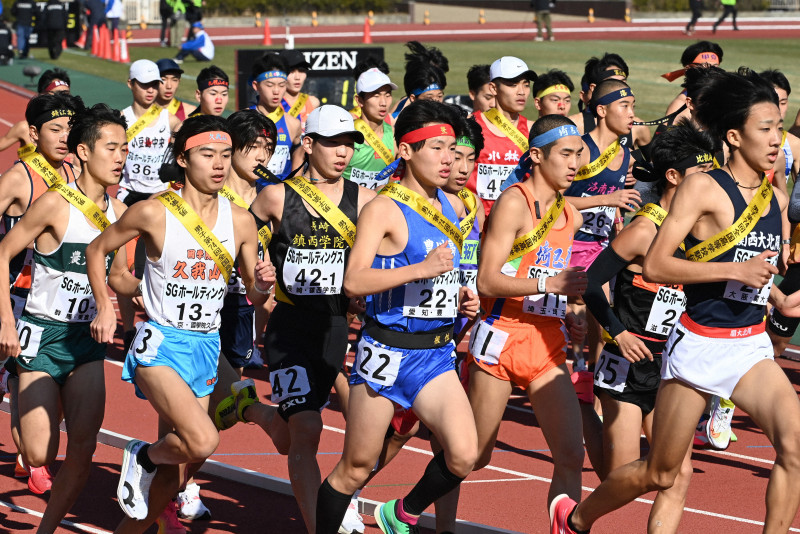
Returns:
<point x="23" y="12"/>
<point x="697" y="11"/>
<point x="113" y="14"/>
<point x="96" y="12"/>
<point x="542" y="9"/>
<point x="168" y="20"/>
<point x="6" y="47"/>
<point x="199" y="45"/>
<point x="728" y="6"/>
<point x="55" y="26"/>
<point x="194" y="13"/>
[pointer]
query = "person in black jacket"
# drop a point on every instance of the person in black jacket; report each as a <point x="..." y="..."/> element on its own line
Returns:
<point x="168" y="20"/>
<point x="542" y="9"/>
<point x="55" y="26"/>
<point x="697" y="11"/>
<point x="23" y="12"/>
<point x="96" y="12"/>
<point x="6" y="48"/>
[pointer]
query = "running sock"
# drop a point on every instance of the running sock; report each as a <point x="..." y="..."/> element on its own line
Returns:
<point x="331" y="507"/>
<point x="571" y="526"/>
<point x="144" y="460"/>
<point x="436" y="482"/>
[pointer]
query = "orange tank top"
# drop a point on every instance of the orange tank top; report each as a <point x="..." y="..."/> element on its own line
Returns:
<point x="549" y="258"/>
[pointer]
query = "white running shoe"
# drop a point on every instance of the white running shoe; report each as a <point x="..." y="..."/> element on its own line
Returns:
<point x="133" y="489"/>
<point x="719" y="426"/>
<point x="353" y="522"/>
<point x="190" y="506"/>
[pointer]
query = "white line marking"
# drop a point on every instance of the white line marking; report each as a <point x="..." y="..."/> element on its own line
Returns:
<point x="9" y="124"/>
<point x="34" y="513"/>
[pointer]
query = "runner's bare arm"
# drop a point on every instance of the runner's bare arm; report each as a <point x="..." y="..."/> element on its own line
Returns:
<point x="16" y="134"/>
<point x="364" y="196"/>
<point x="13" y="183"/>
<point x="42" y="216"/>
<point x="258" y="275"/>
<point x="621" y="198"/>
<point x="120" y="278"/>
<point x="268" y="205"/>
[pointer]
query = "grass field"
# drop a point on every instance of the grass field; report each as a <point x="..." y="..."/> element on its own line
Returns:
<point x="646" y="59"/>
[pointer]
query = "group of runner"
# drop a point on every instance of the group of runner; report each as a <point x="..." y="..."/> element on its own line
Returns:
<point x="429" y="223"/>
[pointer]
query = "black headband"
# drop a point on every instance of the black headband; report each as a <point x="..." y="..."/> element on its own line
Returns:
<point x="51" y="115"/>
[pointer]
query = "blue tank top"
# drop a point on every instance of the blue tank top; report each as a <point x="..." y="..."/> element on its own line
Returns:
<point x="597" y="222"/>
<point x="422" y="305"/>
<point x="280" y="164"/>
<point x="731" y="304"/>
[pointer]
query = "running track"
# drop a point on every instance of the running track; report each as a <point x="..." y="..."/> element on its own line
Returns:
<point x="726" y="494"/>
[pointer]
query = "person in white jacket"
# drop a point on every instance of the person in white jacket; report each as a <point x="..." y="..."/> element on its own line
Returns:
<point x="113" y="14"/>
<point x="199" y="45"/>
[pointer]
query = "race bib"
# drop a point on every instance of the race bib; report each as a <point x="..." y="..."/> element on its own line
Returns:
<point x="597" y="221"/>
<point x="490" y="177"/>
<point x="742" y="293"/>
<point x="144" y="346"/>
<point x="289" y="382"/>
<point x="367" y="178"/>
<point x="611" y="372"/>
<point x="30" y="337"/>
<point x="486" y="343"/>
<point x="313" y="272"/>
<point x="432" y="298"/>
<point x="278" y="160"/>
<point x="376" y="364"/>
<point x="469" y="278"/>
<point x="74" y="300"/>
<point x="547" y="305"/>
<point x="193" y="306"/>
<point x="667" y="307"/>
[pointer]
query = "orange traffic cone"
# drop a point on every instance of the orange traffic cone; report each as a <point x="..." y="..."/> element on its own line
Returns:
<point x="106" y="40"/>
<point x="123" y="49"/>
<point x="115" y="51"/>
<point x="267" y="37"/>
<point x="81" y="42"/>
<point x="367" y="34"/>
<point x="95" y="41"/>
<point x="64" y="45"/>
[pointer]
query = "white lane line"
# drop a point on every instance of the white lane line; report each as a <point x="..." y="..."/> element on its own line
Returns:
<point x="64" y="522"/>
<point x="9" y="124"/>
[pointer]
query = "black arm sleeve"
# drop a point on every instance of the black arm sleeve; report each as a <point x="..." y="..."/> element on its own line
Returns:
<point x="794" y="204"/>
<point x="604" y="268"/>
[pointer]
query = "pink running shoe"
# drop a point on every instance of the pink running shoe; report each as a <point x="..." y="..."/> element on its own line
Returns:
<point x="168" y="520"/>
<point x="560" y="509"/>
<point x="40" y="481"/>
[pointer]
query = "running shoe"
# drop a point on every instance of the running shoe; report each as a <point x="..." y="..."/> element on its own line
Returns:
<point x="133" y="489"/>
<point x="389" y="523"/>
<point x="168" y="521"/>
<point x="718" y="429"/>
<point x="352" y="523"/>
<point x="40" y="481"/>
<point x="190" y="506"/>
<point x="20" y="469"/>
<point x="560" y="509"/>
<point x="231" y="409"/>
<point x="583" y="381"/>
<point x="700" y="438"/>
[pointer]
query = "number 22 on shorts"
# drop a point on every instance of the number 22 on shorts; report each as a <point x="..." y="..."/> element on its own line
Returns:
<point x="376" y="364"/>
<point x="145" y="345"/>
<point x="486" y="343"/>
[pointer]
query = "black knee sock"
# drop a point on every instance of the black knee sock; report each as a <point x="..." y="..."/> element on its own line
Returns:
<point x="144" y="460"/>
<point x="331" y="507"/>
<point x="435" y="483"/>
<point x="572" y="526"/>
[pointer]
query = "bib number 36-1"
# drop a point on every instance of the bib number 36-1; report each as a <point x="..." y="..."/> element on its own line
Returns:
<point x="376" y="364"/>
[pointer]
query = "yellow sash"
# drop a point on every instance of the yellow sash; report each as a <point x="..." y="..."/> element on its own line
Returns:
<point x="298" y="105"/>
<point x="507" y="127"/>
<point x="374" y="141"/>
<point x="415" y="201"/>
<point x="37" y="162"/>
<point x="174" y="106"/>
<point x="144" y="121"/>
<point x="324" y="207"/>
<point x="727" y="238"/>
<point x="655" y="213"/>
<point x="83" y="203"/>
<point x="28" y="148"/>
<point x="528" y="242"/>
<point x="471" y="203"/>
<point x="264" y="233"/>
<point x="276" y="115"/>
<point x="596" y="167"/>
<point x="199" y="231"/>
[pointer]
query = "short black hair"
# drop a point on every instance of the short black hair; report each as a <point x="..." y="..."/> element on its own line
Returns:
<point x="602" y="89"/>
<point x="85" y="126"/>
<point x="247" y="125"/>
<point x="595" y="68"/>
<point x="474" y="132"/>
<point x="211" y="73"/>
<point x="196" y="125"/>
<point x="40" y="105"/>
<point x="370" y="63"/>
<point x="695" y="80"/>
<point x="694" y="50"/>
<point x="778" y="79"/>
<point x="49" y="76"/>
<point x="478" y="76"/>
<point x="550" y="78"/>
<point x="421" y="112"/>
<point x="420" y="75"/>
<point x="431" y="55"/>
<point x="675" y="144"/>
<point x="269" y="61"/>
<point x="544" y="125"/>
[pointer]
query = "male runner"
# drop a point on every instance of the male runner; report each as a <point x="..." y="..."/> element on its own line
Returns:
<point x="374" y="99"/>
<point x="191" y="237"/>
<point x="269" y="76"/>
<point x="406" y="263"/>
<point x="702" y="54"/>
<point x="480" y="90"/>
<point x="60" y="366"/>
<point x="294" y="102"/>
<point x="170" y="81"/>
<point x="212" y="92"/>
<point x="551" y="93"/>
<point x="719" y="346"/>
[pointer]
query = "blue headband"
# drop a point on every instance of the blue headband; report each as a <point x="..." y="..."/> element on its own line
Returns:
<point x="613" y="97"/>
<point x="554" y="135"/>
<point x="432" y="87"/>
<point x="271" y="74"/>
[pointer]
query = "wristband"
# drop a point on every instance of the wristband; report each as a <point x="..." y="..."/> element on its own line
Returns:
<point x="139" y="289"/>
<point x="786" y="242"/>
<point x="619" y="220"/>
<point x="263" y="292"/>
<point x="540" y="287"/>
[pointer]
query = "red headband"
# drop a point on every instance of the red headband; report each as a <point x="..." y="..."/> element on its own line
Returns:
<point x="54" y="84"/>
<point x="421" y="134"/>
<point x="207" y="137"/>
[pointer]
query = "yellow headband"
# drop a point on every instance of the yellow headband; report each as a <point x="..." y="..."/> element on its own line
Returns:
<point x="558" y="88"/>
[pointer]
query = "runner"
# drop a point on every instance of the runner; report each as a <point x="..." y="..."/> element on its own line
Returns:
<point x="269" y="76"/>
<point x="50" y="82"/>
<point x="480" y="90"/>
<point x="551" y="93"/>
<point x="628" y="371"/>
<point x="294" y="102"/>
<point x="425" y="77"/>
<point x="374" y="99"/>
<point x="702" y="54"/>
<point x="60" y="366"/>
<point x="173" y="358"/>
<point x="403" y="262"/>
<point x="505" y="129"/>
<point x="212" y="92"/>
<point x="306" y="338"/>
<point x="170" y="82"/>
<point x="790" y="142"/>
<point x="719" y="347"/>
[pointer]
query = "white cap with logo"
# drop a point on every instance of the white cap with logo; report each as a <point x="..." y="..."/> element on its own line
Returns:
<point x="332" y="121"/>
<point x="509" y="68"/>
<point x="372" y="80"/>
<point x="144" y="71"/>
